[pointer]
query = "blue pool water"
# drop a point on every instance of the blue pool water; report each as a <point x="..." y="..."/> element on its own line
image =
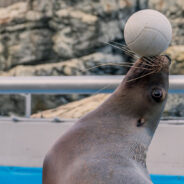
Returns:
<point x="24" y="175"/>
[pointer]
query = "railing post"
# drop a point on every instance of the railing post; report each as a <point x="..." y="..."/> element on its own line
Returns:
<point x="28" y="105"/>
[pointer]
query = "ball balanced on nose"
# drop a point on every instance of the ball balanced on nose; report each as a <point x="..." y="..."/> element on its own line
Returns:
<point x="148" y="33"/>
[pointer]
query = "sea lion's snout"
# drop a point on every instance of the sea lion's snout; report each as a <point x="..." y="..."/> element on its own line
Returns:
<point x="165" y="63"/>
<point x="161" y="63"/>
<point x="169" y="59"/>
<point x="165" y="59"/>
<point x="148" y="67"/>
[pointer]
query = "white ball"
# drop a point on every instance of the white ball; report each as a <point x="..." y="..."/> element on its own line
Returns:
<point x="148" y="33"/>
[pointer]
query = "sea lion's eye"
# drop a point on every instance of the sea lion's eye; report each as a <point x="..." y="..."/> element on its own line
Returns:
<point x="157" y="94"/>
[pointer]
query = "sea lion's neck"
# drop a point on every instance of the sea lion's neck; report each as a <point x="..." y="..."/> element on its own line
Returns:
<point x="112" y="119"/>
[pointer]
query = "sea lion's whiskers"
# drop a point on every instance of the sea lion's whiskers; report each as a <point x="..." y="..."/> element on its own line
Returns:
<point x="121" y="45"/>
<point x="115" y="64"/>
<point x="95" y="98"/>
<point x="107" y="86"/>
<point x="124" y="47"/>
<point x="101" y="89"/>
<point x="141" y="76"/>
<point x="129" y="52"/>
<point x="117" y="47"/>
<point x="150" y="60"/>
<point x="148" y="63"/>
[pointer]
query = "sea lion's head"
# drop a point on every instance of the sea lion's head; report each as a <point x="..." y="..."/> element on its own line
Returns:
<point x="145" y="88"/>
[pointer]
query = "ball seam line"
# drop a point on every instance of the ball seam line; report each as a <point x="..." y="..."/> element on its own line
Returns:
<point x="147" y="27"/>
<point x="130" y="43"/>
<point x="136" y="37"/>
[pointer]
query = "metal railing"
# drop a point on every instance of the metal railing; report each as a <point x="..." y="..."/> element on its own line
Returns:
<point x="70" y="85"/>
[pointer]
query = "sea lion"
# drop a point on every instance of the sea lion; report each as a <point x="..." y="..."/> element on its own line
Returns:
<point x="108" y="145"/>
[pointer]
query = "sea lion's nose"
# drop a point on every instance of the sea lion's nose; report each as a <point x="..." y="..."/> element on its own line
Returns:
<point x="168" y="58"/>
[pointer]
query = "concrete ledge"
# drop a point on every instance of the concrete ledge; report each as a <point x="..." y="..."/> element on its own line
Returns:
<point x="26" y="143"/>
<point x="166" y="152"/>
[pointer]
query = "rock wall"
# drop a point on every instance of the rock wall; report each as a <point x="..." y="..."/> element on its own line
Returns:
<point x="75" y="110"/>
<point x="174" y="11"/>
<point x="66" y="37"/>
<point x="61" y="37"/>
<point x="43" y="31"/>
<point x="5" y="3"/>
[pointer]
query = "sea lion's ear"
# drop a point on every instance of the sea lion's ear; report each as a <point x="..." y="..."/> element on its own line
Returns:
<point x="140" y="122"/>
<point x="158" y="94"/>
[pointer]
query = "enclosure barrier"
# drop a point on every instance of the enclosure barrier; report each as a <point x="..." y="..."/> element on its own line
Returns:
<point x="25" y="138"/>
<point x="69" y="85"/>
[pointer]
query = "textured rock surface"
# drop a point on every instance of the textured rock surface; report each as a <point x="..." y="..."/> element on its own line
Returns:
<point x="24" y="36"/>
<point x="174" y="11"/>
<point x="5" y="3"/>
<point x="86" y="65"/>
<point x="177" y="55"/>
<point x="12" y="104"/>
<point x="78" y="66"/>
<point x="74" y="109"/>
<point x="174" y="107"/>
<point x="82" y="25"/>
<point x="37" y="31"/>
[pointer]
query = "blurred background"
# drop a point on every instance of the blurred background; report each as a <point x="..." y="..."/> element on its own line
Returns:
<point x="65" y="37"/>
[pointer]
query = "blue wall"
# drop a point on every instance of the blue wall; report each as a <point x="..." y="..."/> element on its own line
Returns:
<point x="24" y="175"/>
<point x="20" y="175"/>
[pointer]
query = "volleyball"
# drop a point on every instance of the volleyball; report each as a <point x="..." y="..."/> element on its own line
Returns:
<point x="148" y="33"/>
